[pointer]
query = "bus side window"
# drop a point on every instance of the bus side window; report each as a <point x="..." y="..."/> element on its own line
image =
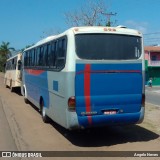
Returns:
<point x="12" y="64"/>
<point x="15" y="62"/>
<point x="32" y="57"/>
<point x="29" y="58"/>
<point x="48" y="54"/>
<point x="45" y="57"/>
<point x="25" y="58"/>
<point x="61" y="53"/>
<point x="37" y="56"/>
<point x="19" y="64"/>
<point x="8" y="65"/>
<point x="41" y="56"/>
<point x="52" y="54"/>
<point x="64" y="47"/>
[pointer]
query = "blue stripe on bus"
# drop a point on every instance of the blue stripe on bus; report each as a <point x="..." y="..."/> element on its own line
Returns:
<point x="37" y="85"/>
<point x="112" y="87"/>
<point x="55" y="86"/>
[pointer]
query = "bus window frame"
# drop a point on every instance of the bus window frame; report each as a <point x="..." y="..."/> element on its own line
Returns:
<point x="37" y="52"/>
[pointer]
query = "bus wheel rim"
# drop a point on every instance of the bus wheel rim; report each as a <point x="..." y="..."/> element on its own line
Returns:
<point x="43" y="112"/>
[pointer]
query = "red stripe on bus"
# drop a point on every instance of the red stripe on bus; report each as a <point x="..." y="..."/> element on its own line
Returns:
<point x="34" y="72"/>
<point x="87" y="94"/>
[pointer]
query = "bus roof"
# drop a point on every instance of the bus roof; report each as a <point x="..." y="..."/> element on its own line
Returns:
<point x="103" y="29"/>
<point x="14" y="56"/>
<point x="45" y="40"/>
<point x="90" y="29"/>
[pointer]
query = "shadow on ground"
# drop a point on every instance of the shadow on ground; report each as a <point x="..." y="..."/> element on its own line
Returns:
<point x="106" y="136"/>
<point x="16" y="90"/>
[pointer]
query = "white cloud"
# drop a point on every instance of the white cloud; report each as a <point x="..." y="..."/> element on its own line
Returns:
<point x="141" y="26"/>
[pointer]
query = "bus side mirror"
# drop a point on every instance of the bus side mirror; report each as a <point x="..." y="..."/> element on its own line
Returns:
<point x="19" y="65"/>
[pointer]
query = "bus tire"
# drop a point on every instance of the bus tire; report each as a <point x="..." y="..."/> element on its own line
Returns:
<point x="25" y="99"/>
<point x="45" y="118"/>
<point x="6" y="83"/>
<point x="11" y="87"/>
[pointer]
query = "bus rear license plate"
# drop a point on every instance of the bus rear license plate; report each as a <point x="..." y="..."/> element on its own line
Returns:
<point x="110" y="112"/>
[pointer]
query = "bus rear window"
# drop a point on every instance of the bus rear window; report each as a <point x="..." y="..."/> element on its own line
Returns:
<point x="108" y="46"/>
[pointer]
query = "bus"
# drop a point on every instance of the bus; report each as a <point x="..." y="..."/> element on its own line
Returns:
<point x="87" y="77"/>
<point x="13" y="76"/>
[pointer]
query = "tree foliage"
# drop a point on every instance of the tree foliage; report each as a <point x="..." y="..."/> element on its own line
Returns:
<point x="5" y="49"/>
<point x="90" y="14"/>
<point x="5" y="52"/>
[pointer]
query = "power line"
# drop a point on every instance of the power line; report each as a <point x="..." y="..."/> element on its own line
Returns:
<point x="108" y="15"/>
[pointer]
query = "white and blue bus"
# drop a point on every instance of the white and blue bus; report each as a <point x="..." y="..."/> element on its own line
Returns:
<point x="87" y="77"/>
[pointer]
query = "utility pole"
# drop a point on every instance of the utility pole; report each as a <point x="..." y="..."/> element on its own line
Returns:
<point x="108" y="15"/>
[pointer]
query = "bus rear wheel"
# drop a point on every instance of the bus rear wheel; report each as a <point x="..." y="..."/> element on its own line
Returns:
<point x="25" y="99"/>
<point x="6" y="83"/>
<point x="45" y="118"/>
<point x="11" y="88"/>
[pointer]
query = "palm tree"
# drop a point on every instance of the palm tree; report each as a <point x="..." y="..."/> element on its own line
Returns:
<point x="5" y="49"/>
<point x="5" y="52"/>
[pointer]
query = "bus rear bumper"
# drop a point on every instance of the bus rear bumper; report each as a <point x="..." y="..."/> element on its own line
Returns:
<point x="141" y="118"/>
<point x="109" y="120"/>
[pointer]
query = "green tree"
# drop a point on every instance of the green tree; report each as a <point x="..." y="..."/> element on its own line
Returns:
<point x="5" y="49"/>
<point x="2" y="62"/>
<point x="5" y="52"/>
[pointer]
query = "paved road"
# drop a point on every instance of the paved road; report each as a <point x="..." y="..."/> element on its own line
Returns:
<point x="153" y="95"/>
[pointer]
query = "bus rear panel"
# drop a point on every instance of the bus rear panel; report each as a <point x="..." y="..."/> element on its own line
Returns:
<point x="109" y="80"/>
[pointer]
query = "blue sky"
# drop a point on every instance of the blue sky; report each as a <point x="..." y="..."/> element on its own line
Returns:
<point x="24" y="22"/>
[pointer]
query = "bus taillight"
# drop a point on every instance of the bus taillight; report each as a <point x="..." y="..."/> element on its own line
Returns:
<point x="72" y="104"/>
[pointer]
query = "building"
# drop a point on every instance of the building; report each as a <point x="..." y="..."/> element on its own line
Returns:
<point x="152" y="64"/>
